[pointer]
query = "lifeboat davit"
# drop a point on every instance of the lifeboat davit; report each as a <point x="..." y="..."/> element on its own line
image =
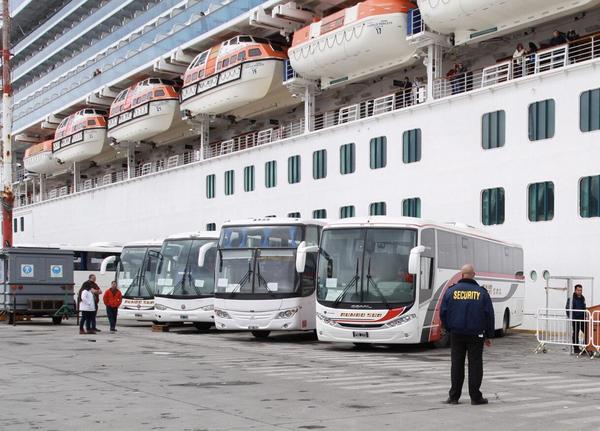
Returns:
<point x="472" y="20"/>
<point x="80" y="136"/>
<point x="39" y="159"/>
<point x="145" y="109"/>
<point x="242" y="76"/>
<point x="354" y="43"/>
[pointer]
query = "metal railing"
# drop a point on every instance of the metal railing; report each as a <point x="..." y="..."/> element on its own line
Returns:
<point x="557" y="326"/>
<point x="595" y="332"/>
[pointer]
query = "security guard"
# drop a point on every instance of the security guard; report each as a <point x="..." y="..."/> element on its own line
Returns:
<point x="468" y="315"/>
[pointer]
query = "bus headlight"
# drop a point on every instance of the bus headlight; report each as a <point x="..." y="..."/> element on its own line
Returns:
<point x="401" y="321"/>
<point x="326" y="319"/>
<point x="286" y="314"/>
<point x="222" y="314"/>
<point x="159" y="307"/>
<point x="208" y="308"/>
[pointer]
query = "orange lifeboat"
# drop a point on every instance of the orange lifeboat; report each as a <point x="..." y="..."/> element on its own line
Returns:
<point x="143" y="110"/>
<point x="39" y="159"/>
<point x="242" y="76"/>
<point x="80" y="136"/>
<point x="354" y="43"/>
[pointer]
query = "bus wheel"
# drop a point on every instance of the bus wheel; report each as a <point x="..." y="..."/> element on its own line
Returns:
<point x="261" y="334"/>
<point x="202" y="326"/>
<point x="11" y="318"/>
<point x="505" y="324"/>
<point x="363" y="346"/>
<point x="56" y="320"/>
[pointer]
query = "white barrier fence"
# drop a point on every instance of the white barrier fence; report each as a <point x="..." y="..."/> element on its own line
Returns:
<point x="556" y="326"/>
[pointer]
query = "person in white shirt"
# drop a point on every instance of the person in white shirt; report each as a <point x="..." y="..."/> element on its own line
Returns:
<point x="87" y="306"/>
<point x="518" y="58"/>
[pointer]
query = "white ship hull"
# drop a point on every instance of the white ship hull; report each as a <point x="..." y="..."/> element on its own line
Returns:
<point x="152" y="119"/>
<point x="92" y="144"/>
<point x="42" y="163"/>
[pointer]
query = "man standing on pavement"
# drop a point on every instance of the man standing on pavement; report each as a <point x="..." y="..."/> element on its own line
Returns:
<point x="576" y="311"/>
<point x="468" y="315"/>
<point x="112" y="299"/>
<point x="91" y="285"/>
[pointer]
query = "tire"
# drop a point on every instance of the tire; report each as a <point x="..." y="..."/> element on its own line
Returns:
<point x="499" y="333"/>
<point x="56" y="320"/>
<point x="202" y="326"/>
<point x="156" y="322"/>
<point x="11" y="318"/>
<point x="363" y="346"/>
<point x="261" y="335"/>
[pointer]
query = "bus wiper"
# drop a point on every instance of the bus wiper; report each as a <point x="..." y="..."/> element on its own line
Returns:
<point x="262" y="279"/>
<point x="193" y="284"/>
<point x="349" y="286"/>
<point x="370" y="282"/>
<point x="247" y="276"/>
<point x="132" y="285"/>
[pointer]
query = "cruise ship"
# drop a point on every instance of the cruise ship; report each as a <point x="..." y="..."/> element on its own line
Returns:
<point x="137" y="119"/>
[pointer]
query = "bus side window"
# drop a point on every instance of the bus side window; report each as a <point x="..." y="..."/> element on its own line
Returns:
<point x="426" y="275"/>
<point x="110" y="266"/>
<point x="79" y="263"/>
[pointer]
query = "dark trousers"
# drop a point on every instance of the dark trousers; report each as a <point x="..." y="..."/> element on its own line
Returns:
<point x="112" y="312"/>
<point x="93" y="318"/>
<point x="577" y="327"/>
<point x="470" y="346"/>
<point x="86" y="319"/>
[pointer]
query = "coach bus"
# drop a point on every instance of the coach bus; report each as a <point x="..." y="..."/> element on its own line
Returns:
<point x="265" y="275"/>
<point x="184" y="282"/>
<point x="382" y="279"/>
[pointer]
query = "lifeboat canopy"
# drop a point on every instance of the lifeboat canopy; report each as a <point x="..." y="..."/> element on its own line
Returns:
<point x="38" y="158"/>
<point x="80" y="136"/>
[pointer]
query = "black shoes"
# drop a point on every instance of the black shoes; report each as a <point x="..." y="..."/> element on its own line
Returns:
<point x="451" y="401"/>
<point x="479" y="402"/>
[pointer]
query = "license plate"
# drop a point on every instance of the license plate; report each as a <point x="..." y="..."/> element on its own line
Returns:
<point x="137" y="315"/>
<point x="252" y="327"/>
<point x="357" y="334"/>
<point x="183" y="316"/>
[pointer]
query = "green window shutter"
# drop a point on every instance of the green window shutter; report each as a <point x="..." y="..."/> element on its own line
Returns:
<point x="229" y="182"/>
<point x="411" y="146"/>
<point x="589" y="197"/>
<point x="249" y="178"/>
<point x="294" y="215"/>
<point x="294" y="169"/>
<point x="347" y="159"/>
<point x="211" y="227"/>
<point x="210" y="186"/>
<point x="589" y="110"/>
<point x="492" y="206"/>
<point x="378" y="152"/>
<point x="541" y="120"/>
<point x="319" y="164"/>
<point x="541" y="201"/>
<point x="493" y="130"/>
<point x="411" y="207"/>
<point x="377" y="208"/>
<point x="271" y="174"/>
<point x="347" y="211"/>
<point x="320" y="213"/>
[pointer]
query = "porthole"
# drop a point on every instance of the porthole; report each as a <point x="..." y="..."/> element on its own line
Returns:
<point x="533" y="275"/>
<point x="546" y="275"/>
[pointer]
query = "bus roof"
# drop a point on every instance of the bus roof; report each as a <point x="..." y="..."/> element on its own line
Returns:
<point x="206" y="234"/>
<point x="389" y="221"/>
<point x="274" y="221"/>
<point x="96" y="247"/>
<point x="145" y="243"/>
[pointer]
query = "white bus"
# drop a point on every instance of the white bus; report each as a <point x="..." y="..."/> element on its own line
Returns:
<point x="382" y="279"/>
<point x="184" y="283"/>
<point x="135" y="271"/>
<point x="263" y="282"/>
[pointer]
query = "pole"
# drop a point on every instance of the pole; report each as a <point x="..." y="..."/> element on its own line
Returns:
<point x="7" y="106"/>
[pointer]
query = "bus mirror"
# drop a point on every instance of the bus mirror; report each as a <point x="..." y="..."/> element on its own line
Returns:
<point x="105" y="262"/>
<point x="202" y="252"/>
<point x="414" y="260"/>
<point x="301" y="255"/>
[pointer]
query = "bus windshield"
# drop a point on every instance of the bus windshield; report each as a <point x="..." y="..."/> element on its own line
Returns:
<point x="135" y="274"/>
<point x="261" y="236"/>
<point x="178" y="273"/>
<point x="366" y="266"/>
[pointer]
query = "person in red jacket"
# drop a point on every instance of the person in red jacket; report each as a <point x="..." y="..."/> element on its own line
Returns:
<point x="112" y="300"/>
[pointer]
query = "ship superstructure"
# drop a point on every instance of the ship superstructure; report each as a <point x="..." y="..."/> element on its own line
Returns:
<point x="461" y="111"/>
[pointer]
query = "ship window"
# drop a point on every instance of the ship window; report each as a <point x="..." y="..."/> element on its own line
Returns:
<point x="319" y="214"/>
<point x="294" y="169"/>
<point x="254" y="52"/>
<point x="225" y="63"/>
<point x="200" y="59"/>
<point x="154" y="81"/>
<point x="493" y="129"/>
<point x="121" y="96"/>
<point x="245" y="39"/>
<point x="347" y="159"/>
<point x="270" y="174"/>
<point x="589" y="197"/>
<point x="89" y="111"/>
<point x="233" y="59"/>
<point x="15" y="225"/>
<point x="294" y="215"/>
<point x="411" y="207"/>
<point x="242" y="56"/>
<point x="589" y="110"/>
<point x="91" y="122"/>
<point x="63" y="123"/>
<point x="319" y="164"/>
<point x="229" y="177"/>
<point x="378" y="151"/>
<point x="210" y="186"/>
<point x="411" y="146"/>
<point x="249" y="178"/>
<point x="377" y="208"/>
<point x="159" y="93"/>
<point x="347" y="211"/>
<point x="541" y="201"/>
<point x="211" y="227"/>
<point x="492" y="206"/>
<point x="541" y="120"/>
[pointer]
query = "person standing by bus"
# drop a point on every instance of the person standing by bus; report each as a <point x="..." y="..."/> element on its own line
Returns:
<point x="576" y="312"/>
<point x="112" y="299"/>
<point x="468" y="315"/>
<point x="87" y="308"/>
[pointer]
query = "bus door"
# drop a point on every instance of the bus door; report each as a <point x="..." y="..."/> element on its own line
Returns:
<point x="427" y="274"/>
